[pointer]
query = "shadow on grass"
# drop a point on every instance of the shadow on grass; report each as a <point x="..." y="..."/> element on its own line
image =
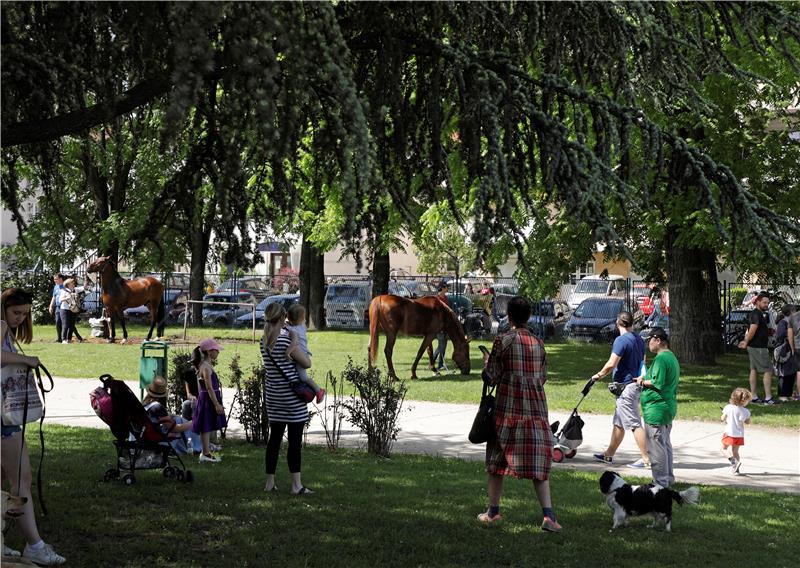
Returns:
<point x="403" y="511"/>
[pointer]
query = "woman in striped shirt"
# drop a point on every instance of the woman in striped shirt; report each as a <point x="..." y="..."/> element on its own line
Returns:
<point x="280" y="351"/>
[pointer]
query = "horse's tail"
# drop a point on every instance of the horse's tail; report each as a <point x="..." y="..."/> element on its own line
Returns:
<point x="374" y="314"/>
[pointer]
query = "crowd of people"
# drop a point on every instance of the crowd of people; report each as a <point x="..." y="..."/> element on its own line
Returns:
<point x="522" y="447"/>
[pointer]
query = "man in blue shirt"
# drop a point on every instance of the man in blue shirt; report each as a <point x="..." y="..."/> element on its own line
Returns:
<point x="627" y="357"/>
<point x="58" y="285"/>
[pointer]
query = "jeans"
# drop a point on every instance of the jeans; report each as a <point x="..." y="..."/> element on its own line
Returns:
<point x="441" y="347"/>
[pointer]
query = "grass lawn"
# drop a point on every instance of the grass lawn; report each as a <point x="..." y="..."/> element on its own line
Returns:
<point x="403" y="511"/>
<point x="702" y="391"/>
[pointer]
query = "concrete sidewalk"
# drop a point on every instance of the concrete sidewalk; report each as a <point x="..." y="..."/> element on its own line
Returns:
<point x="770" y="458"/>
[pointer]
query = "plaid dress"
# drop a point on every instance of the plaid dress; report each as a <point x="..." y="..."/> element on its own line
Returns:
<point x="524" y="444"/>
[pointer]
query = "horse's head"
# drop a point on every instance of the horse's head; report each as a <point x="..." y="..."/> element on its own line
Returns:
<point x="461" y="356"/>
<point x="99" y="264"/>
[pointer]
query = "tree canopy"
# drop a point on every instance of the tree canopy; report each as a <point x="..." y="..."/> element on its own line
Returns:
<point x="541" y="125"/>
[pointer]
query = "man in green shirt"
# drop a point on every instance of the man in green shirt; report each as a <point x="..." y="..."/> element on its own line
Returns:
<point x="660" y="405"/>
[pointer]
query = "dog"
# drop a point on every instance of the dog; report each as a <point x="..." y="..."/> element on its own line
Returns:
<point x="12" y="508"/>
<point x="634" y="500"/>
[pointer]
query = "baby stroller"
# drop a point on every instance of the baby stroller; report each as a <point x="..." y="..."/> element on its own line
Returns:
<point x="567" y="441"/>
<point x="140" y="441"/>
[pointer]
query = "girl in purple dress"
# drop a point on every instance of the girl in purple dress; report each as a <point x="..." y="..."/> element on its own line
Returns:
<point x="209" y="414"/>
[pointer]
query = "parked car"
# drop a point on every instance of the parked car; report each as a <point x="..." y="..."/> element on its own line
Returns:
<point x="346" y="304"/>
<point x="251" y="284"/>
<point x="246" y="320"/>
<point x="92" y="304"/>
<point x="226" y="315"/>
<point x="420" y="288"/>
<point x="548" y="319"/>
<point x="597" y="286"/>
<point x="399" y="289"/>
<point x="595" y="320"/>
<point x="174" y="300"/>
<point x="461" y="305"/>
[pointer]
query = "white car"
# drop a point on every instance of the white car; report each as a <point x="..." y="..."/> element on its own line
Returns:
<point x="613" y="286"/>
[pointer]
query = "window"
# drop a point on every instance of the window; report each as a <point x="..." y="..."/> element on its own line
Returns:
<point x="582" y="271"/>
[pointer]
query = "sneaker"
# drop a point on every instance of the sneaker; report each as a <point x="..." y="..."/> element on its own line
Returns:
<point x="770" y="401"/>
<point x="735" y="467"/>
<point x="214" y="447"/>
<point x="550" y="525"/>
<point x="210" y="458"/>
<point x="640" y="464"/>
<point x="10" y="551"/>
<point x="45" y="556"/>
<point x="486" y="519"/>
<point x="320" y="395"/>
<point x="603" y="458"/>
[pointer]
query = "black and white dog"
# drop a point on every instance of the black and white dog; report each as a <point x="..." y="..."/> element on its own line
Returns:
<point x="635" y="500"/>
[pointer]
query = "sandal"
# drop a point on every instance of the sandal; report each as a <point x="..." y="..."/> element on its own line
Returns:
<point x="303" y="491"/>
<point x="273" y="490"/>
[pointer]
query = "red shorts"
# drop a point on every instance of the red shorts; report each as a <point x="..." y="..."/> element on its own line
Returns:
<point x="731" y="441"/>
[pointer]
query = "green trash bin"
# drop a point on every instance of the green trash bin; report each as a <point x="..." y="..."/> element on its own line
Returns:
<point x="152" y="363"/>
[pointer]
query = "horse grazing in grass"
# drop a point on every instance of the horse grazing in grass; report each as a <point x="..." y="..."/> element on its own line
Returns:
<point x="119" y="294"/>
<point x="427" y="317"/>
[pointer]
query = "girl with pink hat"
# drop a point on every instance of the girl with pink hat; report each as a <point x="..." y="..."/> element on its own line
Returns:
<point x="209" y="414"/>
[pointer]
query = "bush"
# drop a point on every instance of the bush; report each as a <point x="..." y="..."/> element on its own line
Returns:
<point x="736" y="296"/>
<point x="333" y="411"/>
<point x="38" y="283"/>
<point x="252" y="404"/>
<point x="181" y="363"/>
<point x="379" y="404"/>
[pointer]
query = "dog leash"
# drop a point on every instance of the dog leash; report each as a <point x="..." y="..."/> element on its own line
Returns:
<point x="40" y="384"/>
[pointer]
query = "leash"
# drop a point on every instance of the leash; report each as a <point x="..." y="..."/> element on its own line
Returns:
<point x="40" y="384"/>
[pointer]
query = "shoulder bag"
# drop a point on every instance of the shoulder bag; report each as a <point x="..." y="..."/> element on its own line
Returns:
<point x="483" y="426"/>
<point x="302" y="390"/>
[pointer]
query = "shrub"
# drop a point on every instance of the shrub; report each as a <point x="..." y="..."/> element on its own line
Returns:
<point x="378" y="406"/>
<point x="333" y="411"/>
<point x="181" y="363"/>
<point x="38" y="283"/>
<point x="252" y="405"/>
<point x="736" y="296"/>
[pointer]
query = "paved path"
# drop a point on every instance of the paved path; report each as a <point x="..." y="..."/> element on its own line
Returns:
<point x="770" y="458"/>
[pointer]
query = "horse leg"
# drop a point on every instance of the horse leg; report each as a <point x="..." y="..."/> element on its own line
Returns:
<point x="372" y="350"/>
<point x="432" y="365"/>
<point x="124" y="330"/>
<point x="426" y="344"/>
<point x="390" y="339"/>
<point x="113" y="328"/>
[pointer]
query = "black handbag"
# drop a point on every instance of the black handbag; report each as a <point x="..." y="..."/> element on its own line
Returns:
<point x="483" y="426"/>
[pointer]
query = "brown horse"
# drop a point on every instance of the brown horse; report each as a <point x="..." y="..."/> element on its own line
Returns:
<point x="426" y="316"/>
<point x="119" y="293"/>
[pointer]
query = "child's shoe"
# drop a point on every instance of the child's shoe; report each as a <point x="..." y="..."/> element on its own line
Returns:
<point x="320" y="395"/>
<point x="550" y="525"/>
<point x="488" y="519"/>
<point x="44" y="556"/>
<point x="210" y="458"/>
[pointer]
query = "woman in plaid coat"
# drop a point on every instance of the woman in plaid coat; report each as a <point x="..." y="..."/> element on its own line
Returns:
<point x="524" y="443"/>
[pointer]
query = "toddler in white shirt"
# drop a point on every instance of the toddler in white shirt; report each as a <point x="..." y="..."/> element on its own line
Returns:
<point x="296" y="320"/>
<point x="735" y="415"/>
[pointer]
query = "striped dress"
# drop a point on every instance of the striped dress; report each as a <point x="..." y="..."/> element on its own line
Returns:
<point x="282" y="404"/>
<point x="524" y="444"/>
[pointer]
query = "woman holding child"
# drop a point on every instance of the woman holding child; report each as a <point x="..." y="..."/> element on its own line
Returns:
<point x="282" y="355"/>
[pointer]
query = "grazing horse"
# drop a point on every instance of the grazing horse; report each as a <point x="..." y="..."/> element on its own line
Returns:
<point x="426" y="316"/>
<point x="119" y="293"/>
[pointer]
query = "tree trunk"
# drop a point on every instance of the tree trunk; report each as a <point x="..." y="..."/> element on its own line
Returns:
<point x="197" y="283"/>
<point x="312" y="284"/>
<point x="694" y="312"/>
<point x="380" y="273"/>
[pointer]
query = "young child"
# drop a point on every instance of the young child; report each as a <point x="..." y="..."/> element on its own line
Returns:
<point x="296" y="319"/>
<point x="209" y="414"/>
<point x="735" y="416"/>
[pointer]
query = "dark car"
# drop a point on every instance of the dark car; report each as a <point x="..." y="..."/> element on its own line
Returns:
<point x="175" y="299"/>
<point x="595" y="319"/>
<point x="548" y="319"/>
<point x="246" y="320"/>
<point x="220" y="314"/>
<point x="252" y="284"/>
<point x="735" y="327"/>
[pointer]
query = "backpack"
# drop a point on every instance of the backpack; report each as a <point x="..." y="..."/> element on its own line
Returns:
<point x="73" y="303"/>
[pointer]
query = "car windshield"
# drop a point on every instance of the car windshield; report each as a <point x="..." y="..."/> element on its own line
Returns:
<point x="595" y="309"/>
<point x="345" y="293"/>
<point x="592" y="287"/>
